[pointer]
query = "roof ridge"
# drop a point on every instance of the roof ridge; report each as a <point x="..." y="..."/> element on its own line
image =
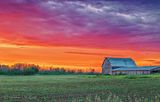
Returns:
<point x="118" y="57"/>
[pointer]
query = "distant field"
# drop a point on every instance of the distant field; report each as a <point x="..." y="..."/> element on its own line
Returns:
<point x="80" y="88"/>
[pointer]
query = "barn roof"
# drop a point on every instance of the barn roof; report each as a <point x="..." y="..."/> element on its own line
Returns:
<point x="136" y="68"/>
<point x="121" y="62"/>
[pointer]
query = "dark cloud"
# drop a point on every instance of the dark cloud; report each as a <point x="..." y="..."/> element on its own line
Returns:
<point x="154" y="61"/>
<point x="95" y="54"/>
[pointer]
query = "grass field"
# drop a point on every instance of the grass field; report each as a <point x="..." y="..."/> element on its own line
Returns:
<point x="80" y="88"/>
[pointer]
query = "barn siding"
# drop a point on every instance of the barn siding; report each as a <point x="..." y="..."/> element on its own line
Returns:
<point x="106" y="67"/>
<point x="131" y="72"/>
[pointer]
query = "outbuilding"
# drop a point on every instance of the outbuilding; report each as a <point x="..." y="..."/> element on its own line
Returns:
<point x="114" y="66"/>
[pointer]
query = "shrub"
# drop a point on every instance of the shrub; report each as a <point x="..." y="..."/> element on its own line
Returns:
<point x="19" y="69"/>
<point x="30" y="71"/>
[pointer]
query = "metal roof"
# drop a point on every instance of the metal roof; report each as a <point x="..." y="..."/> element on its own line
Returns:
<point x="121" y="62"/>
<point x="136" y="68"/>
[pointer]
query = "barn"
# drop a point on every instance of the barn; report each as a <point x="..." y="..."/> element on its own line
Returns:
<point x="114" y="66"/>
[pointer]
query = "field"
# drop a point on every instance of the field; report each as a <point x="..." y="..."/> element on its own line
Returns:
<point x="80" y="88"/>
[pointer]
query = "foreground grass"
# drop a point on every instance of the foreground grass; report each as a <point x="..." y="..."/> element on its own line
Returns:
<point x="80" y="88"/>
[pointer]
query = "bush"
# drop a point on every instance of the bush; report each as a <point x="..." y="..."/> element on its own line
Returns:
<point x="19" y="69"/>
<point x="30" y="71"/>
<point x="131" y="77"/>
<point x="137" y="76"/>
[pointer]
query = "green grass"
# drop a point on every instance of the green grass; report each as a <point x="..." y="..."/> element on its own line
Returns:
<point x="80" y="88"/>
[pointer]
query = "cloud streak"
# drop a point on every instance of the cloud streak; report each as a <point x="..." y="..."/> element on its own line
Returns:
<point x="95" y="54"/>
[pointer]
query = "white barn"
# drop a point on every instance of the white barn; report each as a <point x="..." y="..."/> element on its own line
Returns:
<point x="125" y="66"/>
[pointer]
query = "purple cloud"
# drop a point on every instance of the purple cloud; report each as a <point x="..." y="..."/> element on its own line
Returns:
<point x="91" y="23"/>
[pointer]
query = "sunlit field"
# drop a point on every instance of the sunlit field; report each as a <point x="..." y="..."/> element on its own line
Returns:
<point x="80" y="88"/>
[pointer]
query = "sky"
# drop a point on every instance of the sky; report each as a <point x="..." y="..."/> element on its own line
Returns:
<point x="79" y="33"/>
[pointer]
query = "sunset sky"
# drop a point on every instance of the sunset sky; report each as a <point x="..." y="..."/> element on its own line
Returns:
<point x="79" y="33"/>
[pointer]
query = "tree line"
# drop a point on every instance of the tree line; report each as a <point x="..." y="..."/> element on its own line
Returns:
<point x="32" y="69"/>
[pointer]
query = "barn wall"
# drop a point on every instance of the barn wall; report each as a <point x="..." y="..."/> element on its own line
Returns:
<point x="106" y="70"/>
<point x="106" y="67"/>
<point x="134" y="72"/>
<point x="155" y="70"/>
